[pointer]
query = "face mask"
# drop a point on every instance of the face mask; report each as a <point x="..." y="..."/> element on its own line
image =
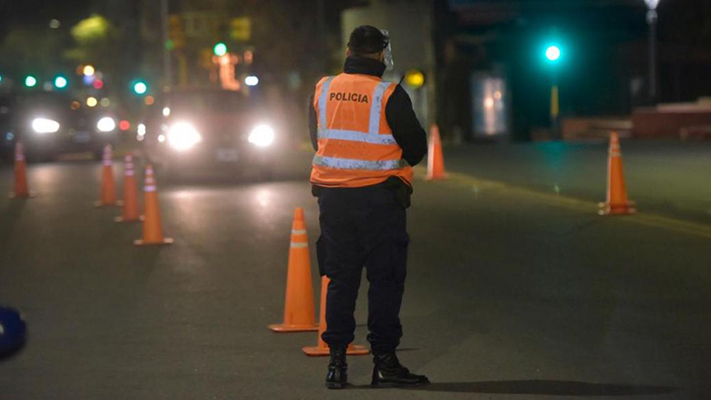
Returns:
<point x="388" y="61"/>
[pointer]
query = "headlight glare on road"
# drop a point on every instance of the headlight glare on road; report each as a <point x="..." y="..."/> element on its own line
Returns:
<point x="261" y="136"/>
<point x="183" y="136"/>
<point x="44" y="125"/>
<point x="106" y="124"/>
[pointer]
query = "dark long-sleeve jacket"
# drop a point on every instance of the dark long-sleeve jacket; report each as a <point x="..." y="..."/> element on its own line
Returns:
<point x="407" y="131"/>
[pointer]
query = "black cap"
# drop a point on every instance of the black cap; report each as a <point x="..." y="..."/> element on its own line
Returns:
<point x="367" y="39"/>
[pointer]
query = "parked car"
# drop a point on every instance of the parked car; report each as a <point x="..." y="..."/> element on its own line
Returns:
<point x="7" y="134"/>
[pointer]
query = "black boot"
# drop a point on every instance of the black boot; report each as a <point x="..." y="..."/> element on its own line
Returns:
<point x="389" y="373"/>
<point x="337" y="377"/>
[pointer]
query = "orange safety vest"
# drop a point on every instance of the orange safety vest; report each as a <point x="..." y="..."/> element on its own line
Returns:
<point x="356" y="147"/>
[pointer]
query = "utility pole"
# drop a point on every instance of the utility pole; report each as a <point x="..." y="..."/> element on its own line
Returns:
<point x="321" y="10"/>
<point x="652" y="21"/>
<point x="167" y="66"/>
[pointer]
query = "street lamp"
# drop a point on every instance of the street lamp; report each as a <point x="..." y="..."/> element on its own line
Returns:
<point x="167" y="66"/>
<point x="652" y="21"/>
<point x="220" y="49"/>
<point x="140" y="88"/>
<point x="30" y="81"/>
<point x="60" y="82"/>
<point x="553" y="53"/>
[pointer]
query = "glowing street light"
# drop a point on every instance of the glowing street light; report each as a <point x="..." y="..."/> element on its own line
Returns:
<point x="415" y="78"/>
<point x="30" y="81"/>
<point x="220" y="49"/>
<point x="140" y="88"/>
<point x="251" y="81"/>
<point x="652" y="4"/>
<point x="60" y="82"/>
<point x="89" y="70"/>
<point x="553" y="53"/>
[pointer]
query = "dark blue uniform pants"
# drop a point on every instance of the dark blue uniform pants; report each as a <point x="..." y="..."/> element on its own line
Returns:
<point x="363" y="227"/>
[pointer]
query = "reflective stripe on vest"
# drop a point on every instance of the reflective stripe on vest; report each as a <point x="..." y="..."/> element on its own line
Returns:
<point x="345" y="163"/>
<point x="376" y="107"/>
<point x="353" y="136"/>
<point x="323" y="100"/>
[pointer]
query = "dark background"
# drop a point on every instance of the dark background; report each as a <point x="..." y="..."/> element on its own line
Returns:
<point x="603" y="73"/>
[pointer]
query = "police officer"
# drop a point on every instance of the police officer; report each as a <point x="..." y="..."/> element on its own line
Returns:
<point x="367" y="139"/>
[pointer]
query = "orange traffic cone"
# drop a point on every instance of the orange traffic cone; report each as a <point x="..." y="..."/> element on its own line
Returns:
<point x="107" y="196"/>
<point x="130" y="211"/>
<point x="617" y="202"/>
<point x="435" y="159"/>
<point x="321" y="349"/>
<point x="299" y="303"/>
<point x="21" y="188"/>
<point x="152" y="227"/>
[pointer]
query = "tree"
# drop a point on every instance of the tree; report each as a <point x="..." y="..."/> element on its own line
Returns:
<point x="96" y="39"/>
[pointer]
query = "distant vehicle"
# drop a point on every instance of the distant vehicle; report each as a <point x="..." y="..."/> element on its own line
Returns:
<point x="50" y="123"/>
<point x="7" y="135"/>
<point x="207" y="132"/>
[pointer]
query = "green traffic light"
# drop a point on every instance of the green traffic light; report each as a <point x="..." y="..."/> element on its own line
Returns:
<point x="60" y="82"/>
<point x="0" y="78"/>
<point x="140" y="88"/>
<point x="30" y="81"/>
<point x="553" y="53"/>
<point x="220" y="49"/>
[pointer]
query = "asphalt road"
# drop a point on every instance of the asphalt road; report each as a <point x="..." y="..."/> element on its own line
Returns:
<point x="666" y="177"/>
<point x="514" y="291"/>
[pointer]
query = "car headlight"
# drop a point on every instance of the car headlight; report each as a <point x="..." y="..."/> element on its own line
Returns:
<point x="183" y="136"/>
<point x="44" y="125"/>
<point x="261" y="136"/>
<point x="106" y="124"/>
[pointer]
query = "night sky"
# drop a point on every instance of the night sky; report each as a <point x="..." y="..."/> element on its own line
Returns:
<point x="38" y="11"/>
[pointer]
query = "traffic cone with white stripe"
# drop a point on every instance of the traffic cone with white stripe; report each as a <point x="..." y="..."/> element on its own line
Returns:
<point x="130" y="211"/>
<point x="435" y="158"/>
<point x="299" y="305"/>
<point x="21" y="188"/>
<point x="321" y="348"/>
<point x="617" y="202"/>
<point x="107" y="196"/>
<point x="152" y="225"/>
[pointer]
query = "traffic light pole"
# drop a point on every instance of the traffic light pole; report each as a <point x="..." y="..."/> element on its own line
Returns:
<point x="553" y="54"/>
<point x="167" y="66"/>
<point x="321" y="10"/>
<point x="555" y="111"/>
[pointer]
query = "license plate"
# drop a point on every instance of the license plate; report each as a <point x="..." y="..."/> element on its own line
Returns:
<point x="227" y="155"/>
<point x="82" y="137"/>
